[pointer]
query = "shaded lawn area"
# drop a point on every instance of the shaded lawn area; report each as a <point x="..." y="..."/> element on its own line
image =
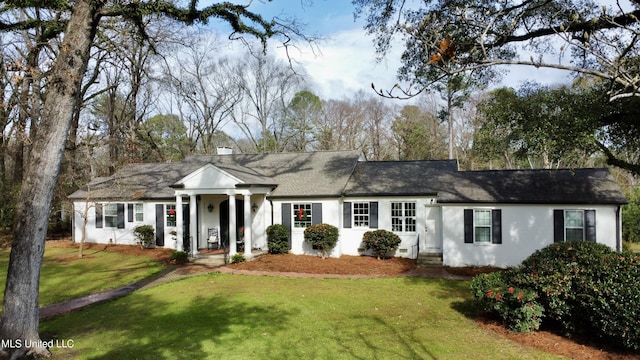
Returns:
<point x="64" y="276"/>
<point x="257" y="317"/>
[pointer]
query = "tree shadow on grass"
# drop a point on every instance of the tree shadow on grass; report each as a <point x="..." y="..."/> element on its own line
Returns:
<point x="151" y="329"/>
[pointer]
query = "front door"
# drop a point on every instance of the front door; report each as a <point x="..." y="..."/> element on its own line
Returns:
<point x="433" y="230"/>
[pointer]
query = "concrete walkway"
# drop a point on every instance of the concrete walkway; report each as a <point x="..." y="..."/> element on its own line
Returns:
<point x="171" y="273"/>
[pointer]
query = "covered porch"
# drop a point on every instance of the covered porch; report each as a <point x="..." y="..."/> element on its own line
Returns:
<point x="234" y="222"/>
<point x="230" y="208"/>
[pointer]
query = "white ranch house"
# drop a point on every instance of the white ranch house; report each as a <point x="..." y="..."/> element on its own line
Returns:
<point x="464" y="218"/>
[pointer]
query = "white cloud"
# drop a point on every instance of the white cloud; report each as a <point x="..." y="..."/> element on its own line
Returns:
<point x="345" y="64"/>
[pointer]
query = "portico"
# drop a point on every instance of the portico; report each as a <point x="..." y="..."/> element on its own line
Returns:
<point x="219" y="200"/>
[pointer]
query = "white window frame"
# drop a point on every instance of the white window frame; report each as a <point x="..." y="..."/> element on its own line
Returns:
<point x="110" y="215"/>
<point x="403" y="219"/>
<point x="477" y="226"/>
<point x="307" y="213"/>
<point x="138" y="212"/>
<point x="168" y="215"/>
<point x="360" y="214"/>
<point x="569" y="227"/>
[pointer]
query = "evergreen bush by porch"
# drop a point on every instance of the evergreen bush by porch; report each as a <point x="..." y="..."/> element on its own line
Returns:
<point x="381" y="242"/>
<point x="144" y="234"/>
<point x="323" y="237"/>
<point x="278" y="239"/>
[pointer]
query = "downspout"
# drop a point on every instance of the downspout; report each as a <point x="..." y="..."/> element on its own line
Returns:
<point x="619" y="228"/>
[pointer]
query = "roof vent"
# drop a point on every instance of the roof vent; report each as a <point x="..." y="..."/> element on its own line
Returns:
<point x="223" y="150"/>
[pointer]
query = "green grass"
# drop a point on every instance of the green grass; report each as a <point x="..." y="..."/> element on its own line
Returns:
<point x="64" y="276"/>
<point x="220" y="316"/>
<point x="635" y="247"/>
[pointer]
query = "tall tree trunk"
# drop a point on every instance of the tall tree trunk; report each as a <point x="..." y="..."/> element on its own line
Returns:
<point x="20" y="317"/>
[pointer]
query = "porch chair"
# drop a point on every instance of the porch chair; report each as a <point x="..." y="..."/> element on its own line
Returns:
<point x="213" y="239"/>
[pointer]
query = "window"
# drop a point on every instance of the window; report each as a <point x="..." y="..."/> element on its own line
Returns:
<point x="482" y="226"/>
<point x="111" y="215"/>
<point x="138" y="212"/>
<point x="361" y="214"/>
<point x="403" y="216"/>
<point x="171" y="215"/>
<point x="574" y="225"/>
<point x="301" y="215"/>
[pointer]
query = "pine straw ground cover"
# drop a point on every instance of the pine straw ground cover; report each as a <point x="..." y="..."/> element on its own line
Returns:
<point x="349" y="266"/>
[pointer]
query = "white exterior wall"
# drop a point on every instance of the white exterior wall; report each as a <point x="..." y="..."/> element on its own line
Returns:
<point x="525" y="229"/>
<point x="112" y="235"/>
<point x="350" y="241"/>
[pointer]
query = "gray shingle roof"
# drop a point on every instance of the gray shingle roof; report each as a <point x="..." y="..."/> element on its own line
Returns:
<point x="564" y="186"/>
<point x="313" y="174"/>
<point x="342" y="173"/>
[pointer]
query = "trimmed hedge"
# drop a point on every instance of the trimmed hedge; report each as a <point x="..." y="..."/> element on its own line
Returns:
<point x="585" y="288"/>
<point x="323" y="237"/>
<point x="278" y="239"/>
<point x="381" y="242"/>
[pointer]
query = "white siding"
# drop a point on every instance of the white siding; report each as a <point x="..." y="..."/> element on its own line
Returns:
<point x="525" y="229"/>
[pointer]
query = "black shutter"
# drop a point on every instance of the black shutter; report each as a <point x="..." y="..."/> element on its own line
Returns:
<point x="316" y="213"/>
<point x="496" y="226"/>
<point x="120" y="212"/>
<point x="373" y="215"/>
<point x="286" y="219"/>
<point x="98" y="216"/>
<point x="130" y="212"/>
<point x="346" y="215"/>
<point x="590" y="225"/>
<point x="468" y="226"/>
<point x="159" y="224"/>
<point x="558" y="225"/>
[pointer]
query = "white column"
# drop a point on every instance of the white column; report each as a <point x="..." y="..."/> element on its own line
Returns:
<point x="179" y="223"/>
<point x="193" y="224"/>
<point x="247" y="227"/>
<point x="232" y="225"/>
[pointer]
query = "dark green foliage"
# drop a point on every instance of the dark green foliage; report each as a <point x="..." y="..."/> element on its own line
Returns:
<point x="323" y="237"/>
<point x="179" y="257"/>
<point x="585" y="288"/>
<point x="517" y="307"/>
<point x="238" y="258"/>
<point x="145" y="234"/>
<point x="381" y="242"/>
<point x="278" y="239"/>
<point x="631" y="217"/>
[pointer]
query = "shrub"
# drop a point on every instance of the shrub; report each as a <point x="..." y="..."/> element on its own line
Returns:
<point x="516" y="307"/>
<point x="278" y="239"/>
<point x="238" y="258"/>
<point x="145" y="235"/>
<point x="179" y="257"/>
<point x="381" y="242"/>
<point x="323" y="237"/>
<point x="552" y="271"/>
<point x="584" y="287"/>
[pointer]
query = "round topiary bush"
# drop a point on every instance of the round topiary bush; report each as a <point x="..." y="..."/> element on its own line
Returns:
<point x="381" y="242"/>
<point x="278" y="239"/>
<point x="145" y="235"/>
<point x="323" y="237"/>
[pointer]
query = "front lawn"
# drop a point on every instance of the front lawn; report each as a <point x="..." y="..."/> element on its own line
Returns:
<point x="219" y="316"/>
<point x="64" y="276"/>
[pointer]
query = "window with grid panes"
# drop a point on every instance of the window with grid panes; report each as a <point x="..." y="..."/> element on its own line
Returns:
<point x="301" y="215"/>
<point x="361" y="214"/>
<point x="403" y="216"/>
